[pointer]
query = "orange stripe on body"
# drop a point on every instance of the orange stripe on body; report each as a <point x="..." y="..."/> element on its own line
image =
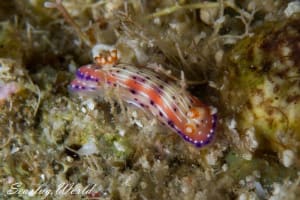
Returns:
<point x="111" y="79"/>
<point x="132" y="84"/>
<point x="157" y="99"/>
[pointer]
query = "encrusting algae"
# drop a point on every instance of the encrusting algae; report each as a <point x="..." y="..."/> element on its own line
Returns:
<point x="238" y="56"/>
<point x="262" y="86"/>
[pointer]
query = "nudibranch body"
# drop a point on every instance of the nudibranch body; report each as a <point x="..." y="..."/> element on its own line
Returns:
<point x="155" y="93"/>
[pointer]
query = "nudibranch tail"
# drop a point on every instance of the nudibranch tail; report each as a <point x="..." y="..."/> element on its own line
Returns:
<point x="200" y="126"/>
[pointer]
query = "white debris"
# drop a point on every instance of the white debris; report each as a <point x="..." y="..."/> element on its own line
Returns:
<point x="220" y="20"/>
<point x="208" y="15"/>
<point x="199" y="37"/>
<point x="14" y="150"/>
<point x="292" y="8"/>
<point x="279" y="191"/>
<point x="247" y="196"/>
<point x="219" y="57"/>
<point x="287" y="157"/>
<point x="157" y="21"/>
<point x="144" y="162"/>
<point x="122" y="132"/>
<point x="72" y="67"/>
<point x="213" y="110"/>
<point x="232" y="124"/>
<point x="211" y="158"/>
<point x="43" y="177"/>
<point x="251" y="139"/>
<point x="90" y="104"/>
<point x="259" y="190"/>
<point x="247" y="156"/>
<point x="119" y="146"/>
<point x="31" y="193"/>
<point x="286" y="51"/>
<point x="88" y="149"/>
<point x="131" y="180"/>
<point x="225" y="167"/>
<point x="135" y="119"/>
<point x="10" y="180"/>
<point x="83" y="109"/>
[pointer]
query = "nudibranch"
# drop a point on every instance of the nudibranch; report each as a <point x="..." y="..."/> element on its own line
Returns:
<point x="152" y="92"/>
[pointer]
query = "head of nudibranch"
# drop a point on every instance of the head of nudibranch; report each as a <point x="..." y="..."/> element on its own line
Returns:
<point x="93" y="77"/>
<point x="200" y="125"/>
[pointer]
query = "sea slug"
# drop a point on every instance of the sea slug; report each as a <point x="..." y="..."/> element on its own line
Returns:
<point x="152" y="92"/>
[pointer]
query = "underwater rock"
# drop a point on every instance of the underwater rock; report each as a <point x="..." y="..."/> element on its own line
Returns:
<point x="262" y="87"/>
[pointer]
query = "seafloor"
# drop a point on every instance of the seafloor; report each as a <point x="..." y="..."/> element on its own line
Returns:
<point x="241" y="57"/>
